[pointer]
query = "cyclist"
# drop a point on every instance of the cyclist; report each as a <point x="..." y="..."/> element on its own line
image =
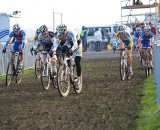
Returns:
<point x="33" y="48"/>
<point x="69" y="42"/>
<point x="114" y="42"/>
<point x="147" y="40"/>
<point x="137" y="44"/>
<point x="18" y="37"/>
<point x="126" y="41"/>
<point x="45" y="42"/>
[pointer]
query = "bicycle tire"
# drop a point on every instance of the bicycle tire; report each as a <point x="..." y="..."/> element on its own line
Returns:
<point x="9" y="76"/>
<point x="45" y="77"/>
<point x="122" y="69"/>
<point x="19" y="74"/>
<point x="78" y="88"/>
<point x="63" y="81"/>
<point x="38" y="65"/>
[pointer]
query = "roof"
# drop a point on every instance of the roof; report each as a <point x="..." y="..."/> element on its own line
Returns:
<point x="140" y="6"/>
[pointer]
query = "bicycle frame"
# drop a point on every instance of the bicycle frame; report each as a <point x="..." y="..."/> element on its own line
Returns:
<point x="14" y="66"/>
<point x="124" y="67"/>
<point x="146" y="60"/>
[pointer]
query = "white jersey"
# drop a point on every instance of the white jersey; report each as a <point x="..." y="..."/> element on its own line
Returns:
<point x="74" y="36"/>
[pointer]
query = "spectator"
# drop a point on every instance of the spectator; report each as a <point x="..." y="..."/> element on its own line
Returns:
<point x="153" y="29"/>
<point x="142" y="25"/>
<point x="108" y="34"/>
<point x="98" y="39"/>
<point x="83" y="35"/>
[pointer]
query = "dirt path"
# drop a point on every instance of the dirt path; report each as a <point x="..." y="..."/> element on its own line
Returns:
<point x="106" y="102"/>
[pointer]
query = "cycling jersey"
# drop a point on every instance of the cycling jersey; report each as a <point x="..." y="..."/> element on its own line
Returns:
<point x="126" y="37"/>
<point x="46" y="41"/>
<point x="145" y="40"/>
<point x="136" y="37"/>
<point x="18" y="40"/>
<point x="72" y="40"/>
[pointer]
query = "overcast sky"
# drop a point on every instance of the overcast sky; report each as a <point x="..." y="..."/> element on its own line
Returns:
<point x="76" y="13"/>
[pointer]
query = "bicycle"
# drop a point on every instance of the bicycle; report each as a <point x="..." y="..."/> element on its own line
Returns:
<point x="13" y="70"/>
<point x="66" y="76"/>
<point x="38" y="62"/>
<point x="146" y="65"/>
<point x="124" y="67"/>
<point x="46" y="72"/>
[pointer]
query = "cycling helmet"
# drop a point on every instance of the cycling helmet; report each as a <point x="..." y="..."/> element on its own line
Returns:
<point x="16" y="27"/>
<point x="43" y="28"/>
<point x="121" y="29"/>
<point x="138" y="29"/>
<point x="61" y="28"/>
<point x="147" y="28"/>
<point x="38" y="31"/>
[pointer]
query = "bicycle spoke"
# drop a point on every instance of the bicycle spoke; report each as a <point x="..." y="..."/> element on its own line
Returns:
<point x="63" y="81"/>
<point x="45" y="77"/>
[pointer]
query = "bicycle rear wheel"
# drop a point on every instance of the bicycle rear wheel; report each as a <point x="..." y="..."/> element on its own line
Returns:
<point x="63" y="81"/>
<point x="19" y="74"/>
<point x="9" y="74"/>
<point x="38" y="64"/>
<point x="122" y="68"/>
<point x="45" y="77"/>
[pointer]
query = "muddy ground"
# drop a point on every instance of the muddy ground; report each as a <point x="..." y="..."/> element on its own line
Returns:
<point x="106" y="102"/>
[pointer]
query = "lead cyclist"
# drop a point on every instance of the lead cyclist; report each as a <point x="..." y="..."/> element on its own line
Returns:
<point x="69" y="41"/>
<point x="126" y="41"/>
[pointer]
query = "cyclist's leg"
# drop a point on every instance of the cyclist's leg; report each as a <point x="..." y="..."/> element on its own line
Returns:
<point x="150" y="57"/>
<point x="54" y="63"/>
<point x="129" y="55"/>
<point x="21" y="46"/>
<point x="78" y="68"/>
<point x="121" y="47"/>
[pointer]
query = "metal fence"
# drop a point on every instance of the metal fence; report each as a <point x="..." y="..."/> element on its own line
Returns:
<point x="4" y="58"/>
<point x="157" y="69"/>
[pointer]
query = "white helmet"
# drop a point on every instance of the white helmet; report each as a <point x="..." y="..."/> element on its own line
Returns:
<point x="147" y="28"/>
<point x="16" y="27"/>
<point x="61" y="28"/>
<point x="138" y="29"/>
<point x="43" y="28"/>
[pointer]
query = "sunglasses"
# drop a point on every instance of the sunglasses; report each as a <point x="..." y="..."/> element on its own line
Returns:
<point x="44" y="34"/>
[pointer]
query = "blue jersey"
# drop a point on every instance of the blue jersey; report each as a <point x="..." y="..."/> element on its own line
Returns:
<point x="145" y="40"/>
<point x="18" y="40"/>
<point x="136" y="36"/>
<point x="19" y="37"/>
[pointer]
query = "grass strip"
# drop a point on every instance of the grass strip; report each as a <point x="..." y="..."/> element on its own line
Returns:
<point x="148" y="119"/>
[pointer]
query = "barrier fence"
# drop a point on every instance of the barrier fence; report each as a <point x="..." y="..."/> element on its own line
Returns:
<point x="4" y="58"/>
<point x="157" y="69"/>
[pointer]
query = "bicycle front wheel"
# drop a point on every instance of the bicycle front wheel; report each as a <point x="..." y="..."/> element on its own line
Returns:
<point x="38" y="65"/>
<point x="9" y="74"/>
<point x="45" y="77"/>
<point x="122" y="69"/>
<point x="63" y="81"/>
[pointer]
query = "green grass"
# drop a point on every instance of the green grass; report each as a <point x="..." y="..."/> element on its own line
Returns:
<point x="26" y="72"/>
<point x="148" y="119"/>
